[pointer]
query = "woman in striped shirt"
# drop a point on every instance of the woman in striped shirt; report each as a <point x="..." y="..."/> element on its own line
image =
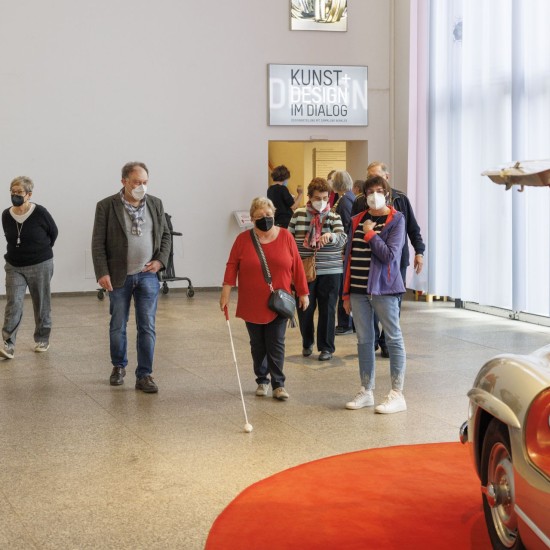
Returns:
<point x="373" y="284"/>
<point x="320" y="231"/>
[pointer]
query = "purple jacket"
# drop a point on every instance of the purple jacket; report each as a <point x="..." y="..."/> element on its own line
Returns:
<point x="386" y="246"/>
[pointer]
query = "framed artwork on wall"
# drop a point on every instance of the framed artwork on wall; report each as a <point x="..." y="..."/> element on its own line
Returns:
<point x="319" y="15"/>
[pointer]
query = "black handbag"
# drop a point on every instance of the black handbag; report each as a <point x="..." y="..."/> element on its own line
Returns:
<point x="280" y="301"/>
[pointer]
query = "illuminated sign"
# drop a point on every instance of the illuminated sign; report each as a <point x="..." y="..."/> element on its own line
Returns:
<point x="317" y="95"/>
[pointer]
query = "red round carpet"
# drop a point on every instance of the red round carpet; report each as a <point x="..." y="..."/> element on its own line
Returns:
<point x="418" y="496"/>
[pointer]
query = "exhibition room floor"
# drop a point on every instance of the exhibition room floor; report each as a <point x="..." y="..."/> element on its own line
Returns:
<point x="87" y="465"/>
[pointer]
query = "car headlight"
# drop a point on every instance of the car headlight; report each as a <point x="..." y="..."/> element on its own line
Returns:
<point x="537" y="432"/>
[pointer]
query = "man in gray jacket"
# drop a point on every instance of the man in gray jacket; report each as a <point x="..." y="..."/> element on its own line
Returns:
<point x="130" y="245"/>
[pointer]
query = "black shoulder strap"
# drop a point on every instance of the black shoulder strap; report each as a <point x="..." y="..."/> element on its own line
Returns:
<point x="261" y="255"/>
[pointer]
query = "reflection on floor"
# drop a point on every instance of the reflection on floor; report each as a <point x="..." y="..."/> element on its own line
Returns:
<point x="86" y="465"/>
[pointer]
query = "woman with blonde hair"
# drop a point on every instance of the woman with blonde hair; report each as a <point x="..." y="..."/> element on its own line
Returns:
<point x="265" y="328"/>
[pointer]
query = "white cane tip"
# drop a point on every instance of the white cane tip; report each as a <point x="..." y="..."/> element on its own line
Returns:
<point x="248" y="428"/>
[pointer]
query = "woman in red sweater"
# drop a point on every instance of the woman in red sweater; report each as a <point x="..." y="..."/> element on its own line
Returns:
<point x="265" y="328"/>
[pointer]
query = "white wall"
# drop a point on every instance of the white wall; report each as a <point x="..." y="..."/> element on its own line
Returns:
<point x="88" y="86"/>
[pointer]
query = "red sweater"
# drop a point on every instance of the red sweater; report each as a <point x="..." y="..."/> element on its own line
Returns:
<point x="284" y="264"/>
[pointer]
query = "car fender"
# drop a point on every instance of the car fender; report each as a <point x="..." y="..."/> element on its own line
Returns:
<point x="506" y="385"/>
<point x="504" y="389"/>
<point x="494" y="407"/>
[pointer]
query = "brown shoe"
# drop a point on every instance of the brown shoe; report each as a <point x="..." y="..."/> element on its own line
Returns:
<point x="117" y="376"/>
<point x="146" y="384"/>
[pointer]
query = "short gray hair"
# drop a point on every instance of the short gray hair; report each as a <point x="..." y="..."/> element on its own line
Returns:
<point x="259" y="203"/>
<point x="378" y="164"/>
<point x="341" y="181"/>
<point x="25" y="182"/>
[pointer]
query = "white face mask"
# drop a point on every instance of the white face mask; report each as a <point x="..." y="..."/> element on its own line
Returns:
<point x="319" y="205"/>
<point x="376" y="201"/>
<point x="139" y="192"/>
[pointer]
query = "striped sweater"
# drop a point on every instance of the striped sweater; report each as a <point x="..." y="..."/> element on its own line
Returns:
<point x="329" y="257"/>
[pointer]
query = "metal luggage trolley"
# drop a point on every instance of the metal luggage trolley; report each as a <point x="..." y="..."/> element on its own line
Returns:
<point x="168" y="275"/>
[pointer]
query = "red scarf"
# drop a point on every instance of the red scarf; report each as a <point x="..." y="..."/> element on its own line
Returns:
<point x="313" y="234"/>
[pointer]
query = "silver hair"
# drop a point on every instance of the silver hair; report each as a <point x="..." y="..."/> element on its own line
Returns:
<point x="25" y="182"/>
<point x="341" y="181"/>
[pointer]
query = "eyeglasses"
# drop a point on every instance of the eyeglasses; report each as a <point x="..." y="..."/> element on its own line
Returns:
<point x="20" y="192"/>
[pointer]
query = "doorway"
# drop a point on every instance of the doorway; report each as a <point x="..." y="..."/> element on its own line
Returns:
<point x="309" y="159"/>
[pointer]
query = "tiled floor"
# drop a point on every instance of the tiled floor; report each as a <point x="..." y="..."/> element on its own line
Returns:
<point x="86" y="465"/>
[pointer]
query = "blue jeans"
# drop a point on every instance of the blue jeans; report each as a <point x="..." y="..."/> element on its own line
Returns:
<point x="386" y="308"/>
<point x="144" y="287"/>
<point x="380" y="337"/>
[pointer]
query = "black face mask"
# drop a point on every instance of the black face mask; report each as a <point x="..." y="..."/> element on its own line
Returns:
<point x="17" y="200"/>
<point x="265" y="224"/>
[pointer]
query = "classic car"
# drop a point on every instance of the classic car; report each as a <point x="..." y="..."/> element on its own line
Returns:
<point x="508" y="434"/>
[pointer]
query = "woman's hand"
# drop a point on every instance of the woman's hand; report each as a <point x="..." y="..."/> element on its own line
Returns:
<point x="368" y="225"/>
<point x="224" y="297"/>
<point x="304" y="302"/>
<point x="347" y="306"/>
<point x="325" y="239"/>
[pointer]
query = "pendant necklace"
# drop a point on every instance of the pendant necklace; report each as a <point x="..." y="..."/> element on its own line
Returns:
<point x="19" y="228"/>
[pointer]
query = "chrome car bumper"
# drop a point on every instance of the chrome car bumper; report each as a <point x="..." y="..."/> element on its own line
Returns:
<point x="463" y="433"/>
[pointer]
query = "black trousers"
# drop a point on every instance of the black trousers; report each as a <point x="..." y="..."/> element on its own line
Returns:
<point x="267" y="346"/>
<point x="343" y="319"/>
<point x="323" y="294"/>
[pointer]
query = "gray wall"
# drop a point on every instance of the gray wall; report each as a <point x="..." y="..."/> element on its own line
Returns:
<point x="87" y="86"/>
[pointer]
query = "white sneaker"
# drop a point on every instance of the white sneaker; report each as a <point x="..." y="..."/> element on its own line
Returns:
<point x="394" y="403"/>
<point x="7" y="351"/>
<point x="364" y="398"/>
<point x="280" y="394"/>
<point x="261" y="390"/>
<point x="41" y="347"/>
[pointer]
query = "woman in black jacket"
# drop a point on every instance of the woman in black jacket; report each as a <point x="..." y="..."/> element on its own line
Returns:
<point x="342" y="184"/>
<point x="30" y="234"/>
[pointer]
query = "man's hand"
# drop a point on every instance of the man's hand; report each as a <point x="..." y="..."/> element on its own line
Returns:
<point x="347" y="306"/>
<point x="418" y="263"/>
<point x="105" y="283"/>
<point x="153" y="266"/>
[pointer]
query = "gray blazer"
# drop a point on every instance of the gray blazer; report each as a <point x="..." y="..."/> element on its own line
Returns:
<point x="110" y="243"/>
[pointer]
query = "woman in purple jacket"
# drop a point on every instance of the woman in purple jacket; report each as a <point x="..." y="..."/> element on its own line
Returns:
<point x="373" y="284"/>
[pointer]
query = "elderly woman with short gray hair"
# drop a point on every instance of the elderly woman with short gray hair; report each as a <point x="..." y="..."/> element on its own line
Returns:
<point x="30" y="233"/>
